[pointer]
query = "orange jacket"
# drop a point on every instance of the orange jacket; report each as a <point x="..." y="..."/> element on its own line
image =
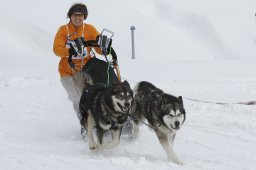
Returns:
<point x="60" y="49"/>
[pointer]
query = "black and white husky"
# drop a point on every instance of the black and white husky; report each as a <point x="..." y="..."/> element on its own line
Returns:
<point x="105" y="108"/>
<point x="164" y="113"/>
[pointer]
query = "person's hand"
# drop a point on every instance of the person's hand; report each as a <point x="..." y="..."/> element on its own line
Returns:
<point x="114" y="62"/>
<point x="72" y="51"/>
<point x="104" y="43"/>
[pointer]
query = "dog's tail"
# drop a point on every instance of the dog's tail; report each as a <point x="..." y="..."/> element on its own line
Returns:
<point x="81" y="80"/>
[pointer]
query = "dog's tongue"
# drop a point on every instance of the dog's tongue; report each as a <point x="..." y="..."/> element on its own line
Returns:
<point x="125" y="109"/>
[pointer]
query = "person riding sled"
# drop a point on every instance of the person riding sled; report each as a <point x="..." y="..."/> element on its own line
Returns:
<point x="74" y="29"/>
<point x="66" y="36"/>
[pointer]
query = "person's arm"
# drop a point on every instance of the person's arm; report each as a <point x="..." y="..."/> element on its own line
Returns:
<point x="59" y="46"/>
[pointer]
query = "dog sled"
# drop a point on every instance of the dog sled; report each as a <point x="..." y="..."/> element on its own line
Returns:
<point x="100" y="71"/>
<point x="104" y="72"/>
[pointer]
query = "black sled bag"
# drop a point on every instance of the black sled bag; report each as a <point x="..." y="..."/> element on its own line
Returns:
<point x="100" y="71"/>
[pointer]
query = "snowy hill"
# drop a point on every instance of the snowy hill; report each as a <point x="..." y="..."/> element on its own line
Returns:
<point x="198" y="49"/>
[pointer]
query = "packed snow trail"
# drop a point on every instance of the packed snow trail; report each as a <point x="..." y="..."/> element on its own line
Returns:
<point x="39" y="130"/>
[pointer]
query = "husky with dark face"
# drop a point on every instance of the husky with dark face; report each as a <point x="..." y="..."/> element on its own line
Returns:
<point x="165" y="114"/>
<point x="105" y="108"/>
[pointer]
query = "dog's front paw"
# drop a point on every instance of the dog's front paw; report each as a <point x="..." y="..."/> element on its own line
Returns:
<point x="179" y="162"/>
<point x="93" y="146"/>
<point x="111" y="145"/>
<point x="176" y="161"/>
<point x="135" y="132"/>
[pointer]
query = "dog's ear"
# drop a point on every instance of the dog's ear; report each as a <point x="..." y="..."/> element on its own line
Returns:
<point x="164" y="99"/>
<point x="126" y="83"/>
<point x="180" y="99"/>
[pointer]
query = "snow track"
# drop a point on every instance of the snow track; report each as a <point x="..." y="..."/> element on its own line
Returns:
<point x="39" y="130"/>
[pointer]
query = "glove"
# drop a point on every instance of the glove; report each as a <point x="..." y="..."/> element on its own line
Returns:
<point x="114" y="57"/>
<point x="114" y="62"/>
<point x="72" y="51"/>
<point x="102" y="41"/>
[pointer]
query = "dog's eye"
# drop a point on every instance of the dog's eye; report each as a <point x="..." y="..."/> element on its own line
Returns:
<point x="169" y="116"/>
<point x="120" y="95"/>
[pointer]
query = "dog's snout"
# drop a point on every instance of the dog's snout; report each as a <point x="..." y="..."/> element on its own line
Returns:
<point x="127" y="104"/>
<point x="177" y="123"/>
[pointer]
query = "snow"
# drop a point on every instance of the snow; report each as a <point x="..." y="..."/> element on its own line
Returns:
<point x="202" y="50"/>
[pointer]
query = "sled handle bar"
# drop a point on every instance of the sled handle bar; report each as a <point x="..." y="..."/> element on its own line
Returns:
<point x="93" y="43"/>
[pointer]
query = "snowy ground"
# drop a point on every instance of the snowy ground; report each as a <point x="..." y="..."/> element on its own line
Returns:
<point x="39" y="129"/>
<point x="207" y="52"/>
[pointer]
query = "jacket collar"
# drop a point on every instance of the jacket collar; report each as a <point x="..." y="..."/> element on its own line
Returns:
<point x="73" y="29"/>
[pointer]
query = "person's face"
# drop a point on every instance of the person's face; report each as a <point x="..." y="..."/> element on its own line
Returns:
<point x="77" y="19"/>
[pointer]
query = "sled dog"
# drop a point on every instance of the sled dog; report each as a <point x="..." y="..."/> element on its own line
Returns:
<point x="106" y="108"/>
<point x="164" y="113"/>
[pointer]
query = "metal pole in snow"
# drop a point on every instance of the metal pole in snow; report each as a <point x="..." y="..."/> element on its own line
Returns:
<point x="133" y="51"/>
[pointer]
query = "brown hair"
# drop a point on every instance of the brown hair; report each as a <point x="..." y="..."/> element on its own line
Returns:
<point x="78" y="7"/>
